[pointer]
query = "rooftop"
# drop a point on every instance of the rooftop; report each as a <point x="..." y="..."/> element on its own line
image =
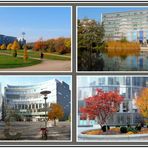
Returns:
<point x="143" y="10"/>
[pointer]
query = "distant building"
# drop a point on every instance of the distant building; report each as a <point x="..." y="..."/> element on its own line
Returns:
<point x="132" y="25"/>
<point x="29" y="101"/>
<point x="10" y="39"/>
<point x="86" y="22"/>
<point x="6" y="39"/>
<point x="128" y="86"/>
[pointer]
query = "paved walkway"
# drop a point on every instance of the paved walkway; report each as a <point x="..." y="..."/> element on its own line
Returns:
<point x="31" y="130"/>
<point x="45" y="65"/>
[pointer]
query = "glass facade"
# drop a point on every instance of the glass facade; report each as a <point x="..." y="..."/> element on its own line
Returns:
<point x="128" y="86"/>
<point x="130" y="24"/>
<point x="29" y="101"/>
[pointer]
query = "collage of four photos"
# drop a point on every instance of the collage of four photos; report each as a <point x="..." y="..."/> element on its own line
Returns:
<point x="37" y="76"/>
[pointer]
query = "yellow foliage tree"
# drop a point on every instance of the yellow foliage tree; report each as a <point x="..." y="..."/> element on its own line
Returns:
<point x="25" y="53"/>
<point x="15" y="45"/>
<point x="119" y="48"/>
<point x="9" y="46"/>
<point x="3" y="46"/>
<point x="142" y="103"/>
<point x="56" y="112"/>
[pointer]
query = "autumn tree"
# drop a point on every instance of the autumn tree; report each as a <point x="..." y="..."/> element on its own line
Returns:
<point x="60" y="45"/>
<point x="102" y="105"/>
<point x="25" y="53"/>
<point x="56" y="112"/>
<point x="40" y="45"/>
<point x="51" y="45"/>
<point x="142" y="103"/>
<point x="90" y="45"/>
<point x="68" y="45"/>
<point x="15" y="45"/>
<point x="9" y="46"/>
<point x="3" y="46"/>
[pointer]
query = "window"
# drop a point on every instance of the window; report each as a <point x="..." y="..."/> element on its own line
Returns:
<point x="110" y="81"/>
<point x="125" y="107"/>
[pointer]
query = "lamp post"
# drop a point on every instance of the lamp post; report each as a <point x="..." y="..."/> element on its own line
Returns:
<point x="45" y="93"/>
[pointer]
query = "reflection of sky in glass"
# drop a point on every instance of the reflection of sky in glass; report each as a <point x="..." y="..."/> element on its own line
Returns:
<point x="86" y="80"/>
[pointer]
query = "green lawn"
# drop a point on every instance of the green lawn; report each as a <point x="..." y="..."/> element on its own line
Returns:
<point x="35" y="54"/>
<point x="12" y="62"/>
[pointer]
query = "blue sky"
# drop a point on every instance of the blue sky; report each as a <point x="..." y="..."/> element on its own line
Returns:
<point x="29" y="80"/>
<point x="36" y="22"/>
<point x="95" y="12"/>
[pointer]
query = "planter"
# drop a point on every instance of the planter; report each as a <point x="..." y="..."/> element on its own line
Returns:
<point x="115" y="138"/>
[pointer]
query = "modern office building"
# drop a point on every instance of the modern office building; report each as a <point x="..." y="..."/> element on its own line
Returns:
<point x="128" y="86"/>
<point x="10" y="39"/>
<point x="28" y="100"/>
<point x="132" y="25"/>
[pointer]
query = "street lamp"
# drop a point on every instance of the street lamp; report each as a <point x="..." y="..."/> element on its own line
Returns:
<point x="45" y="93"/>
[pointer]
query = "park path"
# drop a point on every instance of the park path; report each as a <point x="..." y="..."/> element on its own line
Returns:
<point x="45" y="65"/>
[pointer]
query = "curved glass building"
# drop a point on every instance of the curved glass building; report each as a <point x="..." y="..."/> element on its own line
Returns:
<point x="28" y="100"/>
<point x="128" y="86"/>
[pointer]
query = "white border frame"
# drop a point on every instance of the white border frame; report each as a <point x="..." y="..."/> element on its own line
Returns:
<point x="71" y="36"/>
<point x="46" y="141"/>
<point x="95" y="141"/>
<point x="111" y="72"/>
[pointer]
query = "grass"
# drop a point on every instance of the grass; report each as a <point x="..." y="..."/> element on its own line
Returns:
<point x="36" y="54"/>
<point x="12" y="62"/>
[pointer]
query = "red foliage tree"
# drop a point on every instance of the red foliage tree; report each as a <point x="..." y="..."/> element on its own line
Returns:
<point x="102" y="105"/>
<point x="40" y="45"/>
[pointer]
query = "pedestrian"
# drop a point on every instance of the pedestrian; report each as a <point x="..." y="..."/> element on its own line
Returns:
<point x="42" y="55"/>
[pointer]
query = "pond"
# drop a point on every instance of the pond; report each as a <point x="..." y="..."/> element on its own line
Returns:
<point x="131" y="62"/>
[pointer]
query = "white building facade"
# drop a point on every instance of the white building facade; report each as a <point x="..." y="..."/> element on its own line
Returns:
<point x="133" y="25"/>
<point x="28" y="100"/>
<point x="129" y="87"/>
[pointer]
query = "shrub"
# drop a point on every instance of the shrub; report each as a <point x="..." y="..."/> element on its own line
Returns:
<point x="15" y="45"/>
<point x="105" y="128"/>
<point x="3" y="46"/>
<point x="123" y="129"/>
<point x="130" y="129"/>
<point x="9" y="46"/>
<point x="128" y="125"/>
<point x="138" y="127"/>
<point x="122" y="48"/>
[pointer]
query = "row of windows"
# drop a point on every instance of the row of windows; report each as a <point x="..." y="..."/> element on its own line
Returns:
<point x="128" y="93"/>
<point x="29" y="106"/>
<point x="141" y="13"/>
